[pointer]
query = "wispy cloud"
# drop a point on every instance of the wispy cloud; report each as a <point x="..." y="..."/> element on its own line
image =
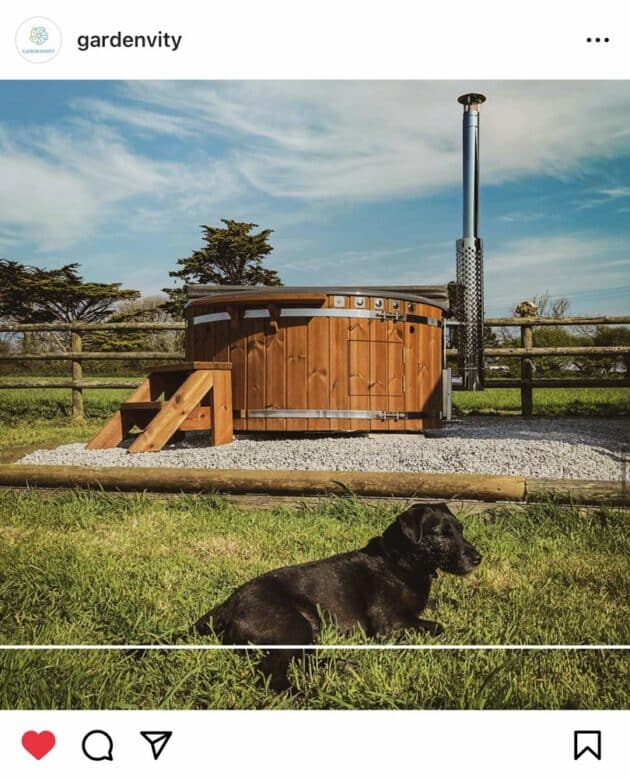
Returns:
<point x="147" y="122"/>
<point x="523" y="217"/>
<point x="60" y="184"/>
<point x="314" y="142"/>
<point x="603" y="196"/>
<point x="616" y="192"/>
<point x="380" y="139"/>
<point x="563" y="265"/>
<point x="147" y="162"/>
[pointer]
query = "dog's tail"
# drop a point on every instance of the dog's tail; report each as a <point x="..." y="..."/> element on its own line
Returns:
<point x="212" y="623"/>
<point x="167" y="639"/>
<point x="209" y="624"/>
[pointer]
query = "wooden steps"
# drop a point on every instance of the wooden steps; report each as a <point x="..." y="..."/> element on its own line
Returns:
<point x="196" y="396"/>
<point x="115" y="431"/>
<point x="151" y="405"/>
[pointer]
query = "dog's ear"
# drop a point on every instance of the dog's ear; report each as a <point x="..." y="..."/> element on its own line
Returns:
<point x="410" y="522"/>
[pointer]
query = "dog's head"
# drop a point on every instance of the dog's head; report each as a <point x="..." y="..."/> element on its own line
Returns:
<point x="429" y="535"/>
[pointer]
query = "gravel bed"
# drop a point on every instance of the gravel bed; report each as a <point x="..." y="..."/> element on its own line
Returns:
<point x="549" y="448"/>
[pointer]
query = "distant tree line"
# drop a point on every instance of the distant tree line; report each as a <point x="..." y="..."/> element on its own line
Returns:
<point x="232" y="254"/>
<point x="552" y="336"/>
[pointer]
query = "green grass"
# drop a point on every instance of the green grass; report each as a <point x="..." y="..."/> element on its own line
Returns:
<point x="47" y="403"/>
<point x="85" y="567"/>
<point x="547" y="402"/>
<point x="36" y="416"/>
<point x="41" y="416"/>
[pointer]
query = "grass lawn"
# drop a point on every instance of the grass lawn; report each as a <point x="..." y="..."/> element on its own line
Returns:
<point x="547" y="402"/>
<point x="32" y="416"/>
<point x="86" y="567"/>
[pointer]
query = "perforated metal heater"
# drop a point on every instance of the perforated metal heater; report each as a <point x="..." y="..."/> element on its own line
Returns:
<point x="469" y="300"/>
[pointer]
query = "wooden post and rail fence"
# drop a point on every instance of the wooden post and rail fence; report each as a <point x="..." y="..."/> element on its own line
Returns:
<point x="527" y="353"/>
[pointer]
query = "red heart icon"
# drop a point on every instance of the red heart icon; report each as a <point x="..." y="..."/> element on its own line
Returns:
<point x="38" y="744"/>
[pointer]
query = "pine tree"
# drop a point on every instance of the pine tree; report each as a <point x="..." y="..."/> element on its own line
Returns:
<point x="233" y="255"/>
<point x="34" y="295"/>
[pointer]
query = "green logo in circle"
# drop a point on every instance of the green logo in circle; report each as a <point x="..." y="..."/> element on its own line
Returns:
<point x="38" y="36"/>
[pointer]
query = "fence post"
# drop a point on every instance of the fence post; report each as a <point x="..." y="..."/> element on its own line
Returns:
<point x="527" y="372"/>
<point x="76" y="345"/>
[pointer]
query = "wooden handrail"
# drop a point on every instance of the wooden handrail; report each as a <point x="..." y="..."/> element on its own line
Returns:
<point x="550" y="321"/>
<point x="91" y="355"/>
<point x="77" y="326"/>
<point x="548" y="351"/>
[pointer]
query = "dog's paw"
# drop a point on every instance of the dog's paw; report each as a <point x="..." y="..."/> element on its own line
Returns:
<point x="279" y="682"/>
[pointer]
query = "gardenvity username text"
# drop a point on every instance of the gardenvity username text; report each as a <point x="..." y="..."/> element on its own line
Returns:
<point x="118" y="40"/>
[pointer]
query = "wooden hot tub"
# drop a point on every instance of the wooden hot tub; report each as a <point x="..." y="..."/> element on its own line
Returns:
<point x="330" y="359"/>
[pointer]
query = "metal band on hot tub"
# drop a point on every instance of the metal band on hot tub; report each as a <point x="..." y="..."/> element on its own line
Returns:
<point x="328" y="313"/>
<point x="208" y="318"/>
<point x="353" y="313"/>
<point x="309" y="413"/>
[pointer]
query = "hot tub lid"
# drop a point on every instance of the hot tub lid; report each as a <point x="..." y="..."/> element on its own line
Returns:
<point x="427" y="295"/>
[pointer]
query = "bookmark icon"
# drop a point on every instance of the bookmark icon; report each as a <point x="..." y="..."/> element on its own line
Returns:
<point x="587" y="741"/>
<point x="157" y="741"/>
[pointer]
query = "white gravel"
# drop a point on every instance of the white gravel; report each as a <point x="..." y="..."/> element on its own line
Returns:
<point x="549" y="448"/>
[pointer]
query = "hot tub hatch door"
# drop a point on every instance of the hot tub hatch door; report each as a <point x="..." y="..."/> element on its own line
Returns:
<point x="376" y="368"/>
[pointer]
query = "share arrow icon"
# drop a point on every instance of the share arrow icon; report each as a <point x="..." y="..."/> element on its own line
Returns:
<point x="157" y="741"/>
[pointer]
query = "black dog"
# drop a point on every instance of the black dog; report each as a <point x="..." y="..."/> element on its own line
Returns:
<point x="381" y="588"/>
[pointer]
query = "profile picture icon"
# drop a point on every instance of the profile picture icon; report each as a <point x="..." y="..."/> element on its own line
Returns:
<point x="38" y="39"/>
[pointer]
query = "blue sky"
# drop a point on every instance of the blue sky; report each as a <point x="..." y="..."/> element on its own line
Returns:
<point x="360" y="180"/>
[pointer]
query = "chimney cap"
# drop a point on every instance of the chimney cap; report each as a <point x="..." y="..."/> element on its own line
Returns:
<point x="472" y="98"/>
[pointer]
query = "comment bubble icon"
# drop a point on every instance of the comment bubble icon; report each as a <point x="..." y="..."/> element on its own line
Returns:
<point x="98" y="746"/>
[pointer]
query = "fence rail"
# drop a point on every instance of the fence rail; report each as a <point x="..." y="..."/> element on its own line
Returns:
<point x="526" y="352"/>
<point x="551" y="321"/>
<point x="92" y="327"/>
<point x="78" y="355"/>
<point x="550" y="351"/>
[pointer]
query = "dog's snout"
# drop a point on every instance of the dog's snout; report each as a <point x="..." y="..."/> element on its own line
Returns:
<point x="475" y="558"/>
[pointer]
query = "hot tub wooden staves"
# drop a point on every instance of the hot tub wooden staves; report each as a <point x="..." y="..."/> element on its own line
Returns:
<point x="333" y="359"/>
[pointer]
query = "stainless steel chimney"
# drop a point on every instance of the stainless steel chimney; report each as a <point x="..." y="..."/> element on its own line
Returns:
<point x="469" y="299"/>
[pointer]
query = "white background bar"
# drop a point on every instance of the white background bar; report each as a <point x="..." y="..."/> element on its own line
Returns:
<point x="285" y="744"/>
<point x="279" y="39"/>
